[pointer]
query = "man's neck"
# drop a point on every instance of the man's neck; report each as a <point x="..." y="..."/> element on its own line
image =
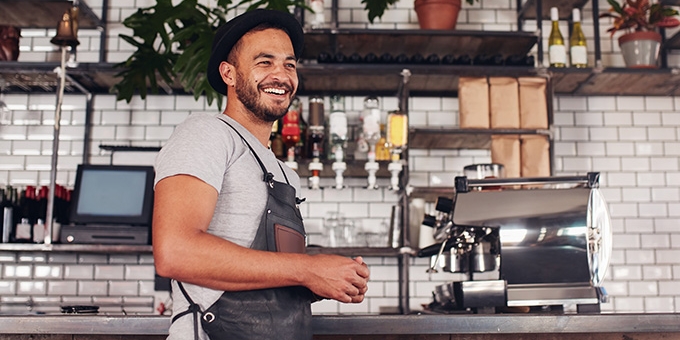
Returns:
<point x="260" y="129"/>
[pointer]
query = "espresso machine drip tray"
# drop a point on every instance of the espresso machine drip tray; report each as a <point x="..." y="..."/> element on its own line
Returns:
<point x="551" y="237"/>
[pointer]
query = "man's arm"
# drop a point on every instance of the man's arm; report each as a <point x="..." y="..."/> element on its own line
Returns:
<point x="183" y="250"/>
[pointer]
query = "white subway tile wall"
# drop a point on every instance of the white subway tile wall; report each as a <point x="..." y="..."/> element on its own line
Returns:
<point x="633" y="141"/>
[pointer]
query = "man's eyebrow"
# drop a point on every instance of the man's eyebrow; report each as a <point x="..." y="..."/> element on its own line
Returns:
<point x="269" y="55"/>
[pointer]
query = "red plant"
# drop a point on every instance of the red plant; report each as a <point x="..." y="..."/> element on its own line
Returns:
<point x="639" y="15"/>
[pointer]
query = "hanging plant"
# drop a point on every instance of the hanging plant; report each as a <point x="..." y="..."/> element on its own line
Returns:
<point x="172" y="46"/>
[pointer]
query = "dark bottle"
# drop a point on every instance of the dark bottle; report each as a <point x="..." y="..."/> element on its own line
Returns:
<point x="402" y="59"/>
<point x="386" y="58"/>
<point x="316" y="127"/>
<point x="31" y="206"/>
<point x="514" y="60"/>
<point x="449" y="59"/>
<point x="27" y="206"/>
<point x="300" y="146"/>
<point x="417" y="59"/>
<point x="43" y="192"/>
<point x="355" y="58"/>
<point x="7" y="215"/>
<point x="339" y="58"/>
<point x="370" y="58"/>
<point x="275" y="141"/>
<point x="432" y="59"/>
<point x="324" y="58"/>
<point x="482" y="59"/>
<point x="290" y="129"/>
<point x="496" y="60"/>
<point x="464" y="60"/>
<point x="529" y="61"/>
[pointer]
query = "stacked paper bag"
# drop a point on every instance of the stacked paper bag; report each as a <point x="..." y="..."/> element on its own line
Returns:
<point x="509" y="103"/>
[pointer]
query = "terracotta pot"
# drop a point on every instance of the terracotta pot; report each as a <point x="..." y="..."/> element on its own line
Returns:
<point x="437" y="14"/>
<point x="640" y="49"/>
<point x="9" y="43"/>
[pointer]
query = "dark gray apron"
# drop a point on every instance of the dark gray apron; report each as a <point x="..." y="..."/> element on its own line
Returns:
<point x="274" y="313"/>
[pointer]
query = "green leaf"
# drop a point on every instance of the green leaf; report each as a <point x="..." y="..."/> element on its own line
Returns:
<point x="615" y="6"/>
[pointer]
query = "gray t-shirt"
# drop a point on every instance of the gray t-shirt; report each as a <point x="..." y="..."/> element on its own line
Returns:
<point x="211" y="151"/>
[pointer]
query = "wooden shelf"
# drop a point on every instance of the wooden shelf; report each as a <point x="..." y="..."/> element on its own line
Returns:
<point x="360" y="79"/>
<point x="424" y="42"/>
<point x="564" y="7"/>
<point x="44" y="14"/>
<point x="616" y="81"/>
<point x="384" y="79"/>
<point x="428" y="138"/>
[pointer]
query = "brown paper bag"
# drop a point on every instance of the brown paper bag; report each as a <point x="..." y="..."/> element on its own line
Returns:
<point x="533" y="106"/>
<point x="535" y="154"/>
<point x="504" y="102"/>
<point x="473" y="103"/>
<point x="505" y="149"/>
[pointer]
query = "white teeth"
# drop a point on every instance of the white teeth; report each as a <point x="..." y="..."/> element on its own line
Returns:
<point x="275" y="91"/>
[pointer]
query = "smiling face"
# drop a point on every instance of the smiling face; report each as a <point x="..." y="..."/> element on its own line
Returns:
<point x="265" y="73"/>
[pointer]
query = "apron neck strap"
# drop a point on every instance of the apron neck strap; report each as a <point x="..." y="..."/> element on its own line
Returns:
<point x="268" y="176"/>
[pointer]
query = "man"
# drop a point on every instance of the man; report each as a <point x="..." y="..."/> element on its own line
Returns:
<point x="226" y="223"/>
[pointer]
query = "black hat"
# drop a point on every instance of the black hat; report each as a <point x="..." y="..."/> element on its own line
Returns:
<point x="227" y="36"/>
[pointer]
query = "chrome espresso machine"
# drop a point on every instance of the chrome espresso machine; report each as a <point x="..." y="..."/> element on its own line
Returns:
<point x="528" y="243"/>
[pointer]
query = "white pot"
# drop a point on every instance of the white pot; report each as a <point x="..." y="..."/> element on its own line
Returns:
<point x="640" y="49"/>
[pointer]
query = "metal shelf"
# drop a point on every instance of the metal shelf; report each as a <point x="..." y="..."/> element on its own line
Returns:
<point x="123" y="248"/>
<point x="73" y="248"/>
<point x="44" y="14"/>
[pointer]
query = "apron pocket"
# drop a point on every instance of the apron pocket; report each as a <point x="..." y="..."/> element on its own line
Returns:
<point x="288" y="240"/>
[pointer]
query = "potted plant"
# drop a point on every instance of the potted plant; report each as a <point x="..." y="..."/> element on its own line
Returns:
<point x="173" y="43"/>
<point x="432" y="14"/>
<point x="640" y="20"/>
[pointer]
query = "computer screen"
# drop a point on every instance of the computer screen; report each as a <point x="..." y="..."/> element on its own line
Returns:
<point x="112" y="194"/>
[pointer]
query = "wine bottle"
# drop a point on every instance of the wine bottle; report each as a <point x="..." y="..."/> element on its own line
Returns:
<point x="324" y="57"/>
<point x="386" y="58"/>
<point x="557" y="53"/>
<point x="339" y="58"/>
<point x="577" y="42"/>
<point x="417" y="59"/>
<point x="337" y="128"/>
<point x="449" y="59"/>
<point x="7" y="215"/>
<point x="482" y="59"/>
<point x="370" y="58"/>
<point x="464" y="60"/>
<point x="402" y="59"/>
<point x="432" y="59"/>
<point x="355" y="58"/>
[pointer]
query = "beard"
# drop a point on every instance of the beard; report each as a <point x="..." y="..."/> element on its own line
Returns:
<point x="250" y="97"/>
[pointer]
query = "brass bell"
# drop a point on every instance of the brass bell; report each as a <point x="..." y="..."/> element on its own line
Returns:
<point x="66" y="34"/>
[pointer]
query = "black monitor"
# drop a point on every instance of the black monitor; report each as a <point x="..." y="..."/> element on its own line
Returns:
<point x="112" y="195"/>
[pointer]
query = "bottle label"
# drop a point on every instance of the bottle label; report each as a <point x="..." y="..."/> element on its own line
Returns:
<point x="558" y="54"/>
<point x="338" y="124"/>
<point x="579" y="55"/>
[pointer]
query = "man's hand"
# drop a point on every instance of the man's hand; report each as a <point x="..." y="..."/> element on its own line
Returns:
<point x="338" y="278"/>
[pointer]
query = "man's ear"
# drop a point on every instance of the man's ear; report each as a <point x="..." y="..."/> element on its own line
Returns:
<point x="228" y="72"/>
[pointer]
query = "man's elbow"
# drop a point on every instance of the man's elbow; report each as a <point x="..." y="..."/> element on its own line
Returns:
<point x="164" y="262"/>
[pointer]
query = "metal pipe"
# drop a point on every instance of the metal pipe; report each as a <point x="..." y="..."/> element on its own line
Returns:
<point x="55" y="149"/>
<point x="596" y="34"/>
